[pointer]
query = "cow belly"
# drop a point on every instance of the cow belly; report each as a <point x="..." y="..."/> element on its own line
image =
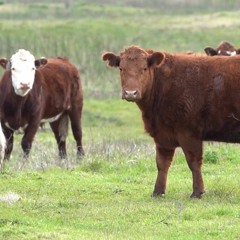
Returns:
<point x="52" y="119"/>
<point x="15" y="127"/>
<point x="226" y="136"/>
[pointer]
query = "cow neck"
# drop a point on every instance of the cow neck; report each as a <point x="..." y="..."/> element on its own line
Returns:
<point x="152" y="95"/>
<point x="21" y="101"/>
<point x="150" y="103"/>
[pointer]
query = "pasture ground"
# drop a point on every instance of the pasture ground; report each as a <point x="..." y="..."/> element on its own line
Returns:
<point x="107" y="194"/>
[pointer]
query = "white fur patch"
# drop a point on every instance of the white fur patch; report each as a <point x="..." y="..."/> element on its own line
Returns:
<point x="22" y="55"/>
<point x="233" y="53"/>
<point x="20" y="129"/>
<point x="2" y="146"/>
<point x="52" y="119"/>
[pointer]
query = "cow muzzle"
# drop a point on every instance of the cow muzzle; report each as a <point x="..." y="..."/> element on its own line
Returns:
<point x="23" y="89"/>
<point x="131" y="96"/>
<point x="24" y="86"/>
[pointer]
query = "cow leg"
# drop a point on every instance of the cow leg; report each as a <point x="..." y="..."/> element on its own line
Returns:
<point x="75" y="118"/>
<point x="192" y="149"/>
<point x="28" y="137"/>
<point x="163" y="159"/>
<point x="9" y="142"/>
<point x="60" y="130"/>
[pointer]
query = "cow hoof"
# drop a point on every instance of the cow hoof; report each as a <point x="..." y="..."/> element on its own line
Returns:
<point x="158" y="195"/>
<point x="80" y="155"/>
<point x="197" y="195"/>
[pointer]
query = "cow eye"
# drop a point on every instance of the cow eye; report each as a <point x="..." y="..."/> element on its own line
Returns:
<point x="120" y="69"/>
<point x="145" y="69"/>
<point x="13" y="69"/>
<point x="33" y="68"/>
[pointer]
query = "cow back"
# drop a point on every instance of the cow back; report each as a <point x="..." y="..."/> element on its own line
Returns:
<point x="62" y="85"/>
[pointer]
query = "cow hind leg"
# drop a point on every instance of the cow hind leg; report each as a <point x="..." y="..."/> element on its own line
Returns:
<point x="192" y="149"/>
<point x="75" y="117"/>
<point x="163" y="159"/>
<point x="195" y="165"/>
<point x="60" y="130"/>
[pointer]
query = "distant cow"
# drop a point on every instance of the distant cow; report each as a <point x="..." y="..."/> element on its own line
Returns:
<point x="223" y="49"/>
<point x="35" y="91"/>
<point x="184" y="99"/>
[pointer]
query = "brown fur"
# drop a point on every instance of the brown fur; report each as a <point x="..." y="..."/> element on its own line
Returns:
<point x="184" y="100"/>
<point x="56" y="89"/>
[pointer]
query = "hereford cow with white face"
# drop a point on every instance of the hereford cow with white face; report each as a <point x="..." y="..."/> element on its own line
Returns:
<point x="223" y="49"/>
<point x="184" y="100"/>
<point x="43" y="90"/>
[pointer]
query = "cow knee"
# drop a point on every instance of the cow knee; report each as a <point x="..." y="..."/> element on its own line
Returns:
<point x="26" y="146"/>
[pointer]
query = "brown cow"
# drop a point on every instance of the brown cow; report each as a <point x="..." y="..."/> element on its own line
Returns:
<point x="184" y="100"/>
<point x="44" y="90"/>
<point x="223" y="49"/>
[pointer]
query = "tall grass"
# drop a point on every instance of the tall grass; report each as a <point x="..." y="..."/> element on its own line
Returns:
<point x="101" y="28"/>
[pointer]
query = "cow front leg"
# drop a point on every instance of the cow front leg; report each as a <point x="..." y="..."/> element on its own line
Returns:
<point x="28" y="137"/>
<point x="9" y="142"/>
<point x="26" y="146"/>
<point x="164" y="158"/>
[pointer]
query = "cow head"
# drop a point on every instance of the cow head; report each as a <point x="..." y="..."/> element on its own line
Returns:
<point x="22" y="66"/>
<point x="224" y="49"/>
<point x="136" y="70"/>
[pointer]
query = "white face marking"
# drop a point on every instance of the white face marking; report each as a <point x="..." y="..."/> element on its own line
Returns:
<point x="23" y="72"/>
<point x="233" y="53"/>
<point x="219" y="52"/>
<point x="51" y="119"/>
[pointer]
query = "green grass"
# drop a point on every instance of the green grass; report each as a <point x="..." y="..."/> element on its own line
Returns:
<point x="93" y="29"/>
<point x="107" y="194"/>
<point x="113" y="201"/>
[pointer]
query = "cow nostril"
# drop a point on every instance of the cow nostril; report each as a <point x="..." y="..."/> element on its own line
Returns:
<point x="134" y="93"/>
<point x="130" y="94"/>
<point x="24" y="85"/>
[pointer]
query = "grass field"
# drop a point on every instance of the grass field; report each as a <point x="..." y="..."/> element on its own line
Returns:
<point x="107" y="195"/>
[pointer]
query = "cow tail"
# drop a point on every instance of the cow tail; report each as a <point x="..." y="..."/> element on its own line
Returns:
<point x="63" y="127"/>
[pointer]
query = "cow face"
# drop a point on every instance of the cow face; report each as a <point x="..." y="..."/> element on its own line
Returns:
<point x="224" y="49"/>
<point x="23" y="68"/>
<point x="136" y="70"/>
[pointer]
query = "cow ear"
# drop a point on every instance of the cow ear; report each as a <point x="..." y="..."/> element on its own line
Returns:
<point x="238" y="51"/>
<point x="155" y="59"/>
<point x="210" y="51"/>
<point x="4" y="63"/>
<point x="113" y="60"/>
<point x="40" y="62"/>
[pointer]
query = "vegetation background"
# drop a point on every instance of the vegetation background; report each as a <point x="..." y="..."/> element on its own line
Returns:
<point x="107" y="194"/>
